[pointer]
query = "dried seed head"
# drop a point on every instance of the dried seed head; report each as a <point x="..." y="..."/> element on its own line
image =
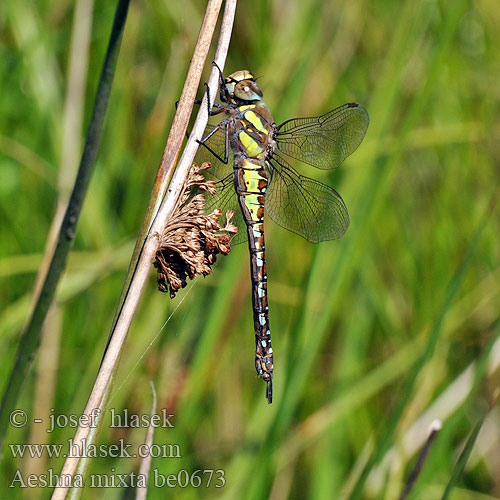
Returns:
<point x="191" y="240"/>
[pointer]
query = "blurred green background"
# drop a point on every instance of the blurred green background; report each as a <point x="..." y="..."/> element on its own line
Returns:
<point x="412" y="289"/>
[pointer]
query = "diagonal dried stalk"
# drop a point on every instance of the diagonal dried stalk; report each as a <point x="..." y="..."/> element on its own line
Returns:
<point x="191" y="239"/>
<point x="174" y="179"/>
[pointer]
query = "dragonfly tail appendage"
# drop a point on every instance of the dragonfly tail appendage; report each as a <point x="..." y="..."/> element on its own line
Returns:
<point x="269" y="391"/>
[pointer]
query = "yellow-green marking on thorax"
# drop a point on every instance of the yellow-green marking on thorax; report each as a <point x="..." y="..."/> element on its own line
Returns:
<point x="252" y="147"/>
<point x="256" y="121"/>
<point x="246" y="107"/>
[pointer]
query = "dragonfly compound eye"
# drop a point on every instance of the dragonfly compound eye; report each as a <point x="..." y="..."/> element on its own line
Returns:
<point x="246" y="90"/>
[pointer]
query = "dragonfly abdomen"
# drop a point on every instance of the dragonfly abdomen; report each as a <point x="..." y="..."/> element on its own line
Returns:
<point x="251" y="184"/>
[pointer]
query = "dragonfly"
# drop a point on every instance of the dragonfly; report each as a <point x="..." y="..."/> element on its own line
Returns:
<point x="250" y="156"/>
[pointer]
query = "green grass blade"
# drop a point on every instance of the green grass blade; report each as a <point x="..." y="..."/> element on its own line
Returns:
<point x="434" y="336"/>
<point x="31" y="337"/>
<point x="462" y="459"/>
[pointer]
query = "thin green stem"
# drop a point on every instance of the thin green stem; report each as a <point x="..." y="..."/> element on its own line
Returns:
<point x="31" y="337"/>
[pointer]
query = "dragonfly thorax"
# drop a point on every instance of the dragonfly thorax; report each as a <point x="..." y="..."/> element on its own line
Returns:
<point x="242" y="87"/>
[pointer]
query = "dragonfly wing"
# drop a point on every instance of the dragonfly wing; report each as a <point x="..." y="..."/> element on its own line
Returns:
<point x="324" y="141"/>
<point x="304" y="206"/>
<point x="217" y="143"/>
<point x="222" y="174"/>
<point x="226" y="199"/>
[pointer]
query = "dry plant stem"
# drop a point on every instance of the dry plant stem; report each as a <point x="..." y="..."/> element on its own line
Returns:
<point x="178" y="130"/>
<point x="147" y="255"/>
<point x="146" y="462"/>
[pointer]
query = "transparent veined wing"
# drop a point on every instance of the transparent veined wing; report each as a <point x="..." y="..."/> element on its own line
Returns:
<point x="225" y="198"/>
<point x="304" y="206"/>
<point x="324" y="141"/>
<point x="217" y="143"/>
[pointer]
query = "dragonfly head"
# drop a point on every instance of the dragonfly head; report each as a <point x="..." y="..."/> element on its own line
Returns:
<point x="242" y="87"/>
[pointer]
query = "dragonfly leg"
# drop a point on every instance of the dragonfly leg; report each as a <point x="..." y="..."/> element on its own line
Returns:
<point x="202" y="142"/>
<point x="220" y="109"/>
<point x="209" y="108"/>
<point x="210" y="105"/>
<point x="222" y="88"/>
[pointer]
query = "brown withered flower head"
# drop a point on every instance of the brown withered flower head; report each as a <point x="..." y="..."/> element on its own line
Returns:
<point x="191" y="240"/>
